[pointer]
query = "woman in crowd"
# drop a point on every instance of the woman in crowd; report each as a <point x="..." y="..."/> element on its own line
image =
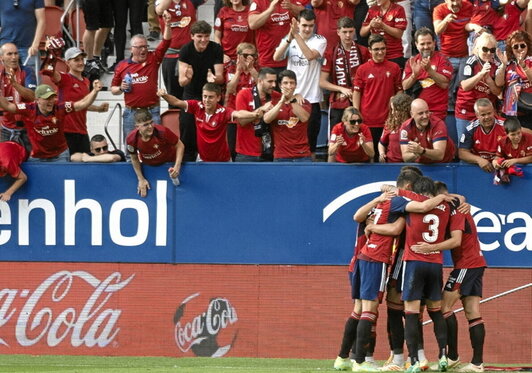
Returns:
<point x="351" y="140"/>
<point x="231" y="28"/>
<point x="477" y="80"/>
<point x="517" y="78"/>
<point x="389" y="145"/>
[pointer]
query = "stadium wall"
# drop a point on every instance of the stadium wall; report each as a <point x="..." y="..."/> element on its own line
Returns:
<point x="240" y="260"/>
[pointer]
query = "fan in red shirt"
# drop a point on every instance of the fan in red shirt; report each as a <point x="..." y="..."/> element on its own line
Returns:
<point x="45" y="124"/>
<point x="375" y="82"/>
<point x="478" y="145"/>
<point x="351" y="140"/>
<point x="515" y="148"/>
<point x="341" y="62"/>
<point x="182" y="17"/>
<point x="153" y="145"/>
<point x="432" y="71"/>
<point x="452" y="24"/>
<point x="389" y="143"/>
<point x="271" y="22"/>
<point x="12" y="155"/>
<point x="288" y="120"/>
<point x="424" y="137"/>
<point x="388" y="20"/>
<point x="231" y="28"/>
<point x="211" y="121"/>
<point x="328" y="14"/>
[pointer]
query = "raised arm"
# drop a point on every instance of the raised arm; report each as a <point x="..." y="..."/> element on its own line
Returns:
<point x="87" y="101"/>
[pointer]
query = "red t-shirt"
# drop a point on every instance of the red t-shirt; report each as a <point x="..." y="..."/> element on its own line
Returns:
<point x="507" y="151"/>
<point x="390" y="139"/>
<point x="483" y="13"/>
<point x="269" y="35"/>
<point x="290" y="134"/>
<point x="430" y="227"/>
<point x="469" y="254"/>
<point x="159" y="149"/>
<point x="379" y="247"/>
<point x="434" y="132"/>
<point x="454" y="38"/>
<point x="246" y="80"/>
<point x="350" y="151"/>
<point x="377" y="82"/>
<point x="145" y="75"/>
<point x="183" y="16"/>
<point x="211" y="131"/>
<point x="481" y="143"/>
<point x="234" y="28"/>
<point x="26" y="78"/>
<point x="327" y="16"/>
<point x="246" y="141"/>
<point x="73" y="89"/>
<point x="509" y="21"/>
<point x="11" y="156"/>
<point x="46" y="132"/>
<point x="342" y="66"/>
<point x="435" y="96"/>
<point x="394" y="17"/>
<point x="465" y="100"/>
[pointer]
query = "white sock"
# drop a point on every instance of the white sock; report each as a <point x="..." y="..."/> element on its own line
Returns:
<point x="370" y="359"/>
<point x="399" y="359"/>
<point x="421" y="355"/>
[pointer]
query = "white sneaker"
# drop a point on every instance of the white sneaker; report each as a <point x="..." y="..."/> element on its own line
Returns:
<point x="471" y="368"/>
<point x="342" y="364"/>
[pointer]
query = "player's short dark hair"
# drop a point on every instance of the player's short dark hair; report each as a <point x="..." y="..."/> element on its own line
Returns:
<point x="142" y="115"/>
<point x="266" y="71"/>
<point x="98" y="138"/>
<point x="415" y="169"/>
<point x="424" y="185"/>
<point x="307" y="14"/>
<point x="212" y="87"/>
<point x="374" y="39"/>
<point x="288" y="74"/>
<point x="406" y="177"/>
<point x="423" y="31"/>
<point x="346" y="22"/>
<point x="512" y="124"/>
<point x="441" y="187"/>
<point x="200" y="27"/>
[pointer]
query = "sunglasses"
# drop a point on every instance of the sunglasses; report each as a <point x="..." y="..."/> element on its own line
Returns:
<point x="246" y="55"/>
<point x="491" y="50"/>
<point x="519" y="46"/>
<point x="101" y="149"/>
<point x="355" y="121"/>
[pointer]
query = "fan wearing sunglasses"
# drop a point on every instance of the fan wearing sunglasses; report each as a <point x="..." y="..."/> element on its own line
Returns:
<point x="351" y="139"/>
<point x="516" y="80"/>
<point x="477" y="80"/>
<point x="99" y="152"/>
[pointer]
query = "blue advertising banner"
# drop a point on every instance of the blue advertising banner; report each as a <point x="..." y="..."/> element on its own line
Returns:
<point x="233" y="213"/>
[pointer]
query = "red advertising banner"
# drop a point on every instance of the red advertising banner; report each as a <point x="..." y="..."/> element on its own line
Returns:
<point x="215" y="310"/>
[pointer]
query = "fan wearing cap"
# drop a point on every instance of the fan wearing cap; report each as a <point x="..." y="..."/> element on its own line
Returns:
<point x="17" y="84"/>
<point x="12" y="155"/>
<point x="72" y="86"/>
<point x="46" y="121"/>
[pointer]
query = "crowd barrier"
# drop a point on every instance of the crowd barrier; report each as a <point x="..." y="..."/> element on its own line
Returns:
<point x="240" y="260"/>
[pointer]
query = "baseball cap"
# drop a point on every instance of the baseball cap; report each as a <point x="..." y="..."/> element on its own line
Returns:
<point x="44" y="91"/>
<point x="73" y="53"/>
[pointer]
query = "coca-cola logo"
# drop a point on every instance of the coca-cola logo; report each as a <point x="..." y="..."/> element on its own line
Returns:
<point x="200" y="329"/>
<point x="49" y="314"/>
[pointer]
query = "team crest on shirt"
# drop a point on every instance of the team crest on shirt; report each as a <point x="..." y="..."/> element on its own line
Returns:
<point x="388" y="74"/>
<point x="390" y="17"/>
<point x="54" y="120"/>
<point x="155" y="146"/>
<point x="213" y="124"/>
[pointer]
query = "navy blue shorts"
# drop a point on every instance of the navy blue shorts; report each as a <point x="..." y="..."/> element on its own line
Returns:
<point x="468" y="281"/>
<point x="422" y="280"/>
<point x="369" y="280"/>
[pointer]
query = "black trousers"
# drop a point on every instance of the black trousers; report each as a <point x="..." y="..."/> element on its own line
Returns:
<point x="121" y="9"/>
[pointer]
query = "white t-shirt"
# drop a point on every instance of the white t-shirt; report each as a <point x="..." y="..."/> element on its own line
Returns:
<point x="307" y="72"/>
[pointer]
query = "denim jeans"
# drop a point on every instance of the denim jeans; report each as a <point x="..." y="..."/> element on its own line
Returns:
<point x="247" y="158"/>
<point x="461" y="125"/>
<point x="422" y="15"/>
<point x="63" y="157"/>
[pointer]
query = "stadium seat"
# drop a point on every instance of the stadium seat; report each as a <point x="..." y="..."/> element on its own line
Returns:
<point x="170" y="119"/>
<point x="74" y="23"/>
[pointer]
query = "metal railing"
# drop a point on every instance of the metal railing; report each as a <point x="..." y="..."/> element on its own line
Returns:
<point x="106" y="126"/>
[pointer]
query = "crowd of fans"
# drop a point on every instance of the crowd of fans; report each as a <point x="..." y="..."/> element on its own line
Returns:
<point x="424" y="81"/>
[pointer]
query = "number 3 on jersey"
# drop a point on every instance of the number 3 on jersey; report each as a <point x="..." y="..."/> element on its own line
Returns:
<point x="433" y="221"/>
